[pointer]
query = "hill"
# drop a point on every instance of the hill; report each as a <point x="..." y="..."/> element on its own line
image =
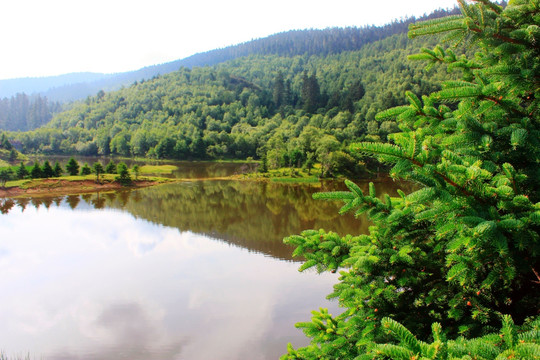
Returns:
<point x="76" y="86"/>
<point x="290" y="110"/>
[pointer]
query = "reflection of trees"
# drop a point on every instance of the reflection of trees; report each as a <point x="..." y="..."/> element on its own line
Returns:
<point x="204" y="170"/>
<point x="98" y="201"/>
<point x="253" y="215"/>
<point x="73" y="200"/>
<point x="36" y="202"/>
<point x="249" y="214"/>
<point x="23" y="203"/>
<point x="6" y="205"/>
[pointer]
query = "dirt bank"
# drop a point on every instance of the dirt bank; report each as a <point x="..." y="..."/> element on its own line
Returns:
<point x="65" y="187"/>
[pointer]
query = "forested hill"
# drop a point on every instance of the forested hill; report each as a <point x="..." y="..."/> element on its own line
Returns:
<point x="311" y="42"/>
<point x="296" y="42"/>
<point x="289" y="110"/>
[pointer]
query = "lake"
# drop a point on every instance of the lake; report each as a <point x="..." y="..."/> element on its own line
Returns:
<point x="193" y="270"/>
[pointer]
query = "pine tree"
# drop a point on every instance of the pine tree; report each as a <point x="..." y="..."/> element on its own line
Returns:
<point x="123" y="174"/>
<point x="58" y="171"/>
<point x="47" y="170"/>
<point x="110" y="168"/>
<point x="36" y="172"/>
<point x="311" y="92"/>
<point x="12" y="155"/>
<point x="98" y="170"/>
<point x="464" y="248"/>
<point x="278" y="95"/>
<point x="85" y="170"/>
<point x="72" y="167"/>
<point x="22" y="171"/>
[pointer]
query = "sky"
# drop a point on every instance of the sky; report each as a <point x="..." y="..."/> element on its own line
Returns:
<point x="53" y="37"/>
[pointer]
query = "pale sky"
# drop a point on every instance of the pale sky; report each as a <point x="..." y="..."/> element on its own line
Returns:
<point x="52" y="37"/>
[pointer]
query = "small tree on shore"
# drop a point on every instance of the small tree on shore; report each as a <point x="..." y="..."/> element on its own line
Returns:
<point x="98" y="170"/>
<point x="5" y="176"/>
<point x="72" y="167"/>
<point x="36" y="172"/>
<point x="85" y="170"/>
<point x="110" y="168"/>
<point x="123" y="174"/>
<point x="22" y="171"/>
<point x="58" y="171"/>
<point x="136" y="170"/>
<point x="47" y="170"/>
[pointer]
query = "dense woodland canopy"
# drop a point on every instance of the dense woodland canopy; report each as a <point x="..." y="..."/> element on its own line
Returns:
<point x="293" y="110"/>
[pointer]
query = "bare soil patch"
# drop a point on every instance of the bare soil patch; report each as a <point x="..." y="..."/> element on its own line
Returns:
<point x="65" y="187"/>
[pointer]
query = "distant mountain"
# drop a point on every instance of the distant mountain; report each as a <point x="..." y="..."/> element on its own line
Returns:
<point x="33" y="85"/>
<point x="324" y="42"/>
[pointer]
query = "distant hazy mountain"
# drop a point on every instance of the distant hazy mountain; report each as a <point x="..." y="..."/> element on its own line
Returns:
<point x="42" y="84"/>
<point x="296" y="42"/>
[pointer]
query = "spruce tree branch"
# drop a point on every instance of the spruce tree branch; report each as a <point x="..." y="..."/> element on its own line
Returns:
<point x="444" y="177"/>
<point x="498" y="102"/>
<point x="500" y="37"/>
<point x="537" y="276"/>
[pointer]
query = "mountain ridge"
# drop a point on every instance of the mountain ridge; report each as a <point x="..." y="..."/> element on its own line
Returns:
<point x="288" y="43"/>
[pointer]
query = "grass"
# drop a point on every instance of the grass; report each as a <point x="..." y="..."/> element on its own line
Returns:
<point x="157" y="169"/>
<point x="307" y="180"/>
<point x="285" y="175"/>
<point x="103" y="178"/>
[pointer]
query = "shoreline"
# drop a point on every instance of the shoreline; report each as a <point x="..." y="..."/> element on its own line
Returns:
<point x="63" y="186"/>
<point x="59" y="186"/>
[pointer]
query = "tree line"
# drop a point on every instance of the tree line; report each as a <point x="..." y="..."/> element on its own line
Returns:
<point x="22" y="112"/>
<point x="72" y="168"/>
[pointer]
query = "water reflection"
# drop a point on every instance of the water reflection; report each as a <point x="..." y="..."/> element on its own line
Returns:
<point x="253" y="215"/>
<point x="90" y="284"/>
<point x="151" y="273"/>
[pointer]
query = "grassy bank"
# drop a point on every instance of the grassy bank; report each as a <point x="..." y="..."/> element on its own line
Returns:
<point x="84" y="183"/>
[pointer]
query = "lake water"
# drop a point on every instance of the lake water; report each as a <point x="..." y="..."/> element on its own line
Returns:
<point x="193" y="270"/>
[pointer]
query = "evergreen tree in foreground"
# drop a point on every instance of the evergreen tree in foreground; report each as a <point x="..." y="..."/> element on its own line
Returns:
<point x="459" y="256"/>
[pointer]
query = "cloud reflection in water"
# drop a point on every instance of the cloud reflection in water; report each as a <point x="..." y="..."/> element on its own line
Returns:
<point x="89" y="284"/>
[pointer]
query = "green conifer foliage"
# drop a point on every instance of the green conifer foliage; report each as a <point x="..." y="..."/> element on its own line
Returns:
<point x="22" y="171"/>
<point x="86" y="170"/>
<point x="72" y="167"/>
<point x="463" y="250"/>
<point x="36" y="172"/>
<point x="124" y="177"/>
<point x="47" y="170"/>
<point x="58" y="171"/>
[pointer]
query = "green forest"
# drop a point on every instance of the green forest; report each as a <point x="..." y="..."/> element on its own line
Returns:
<point x="290" y="110"/>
